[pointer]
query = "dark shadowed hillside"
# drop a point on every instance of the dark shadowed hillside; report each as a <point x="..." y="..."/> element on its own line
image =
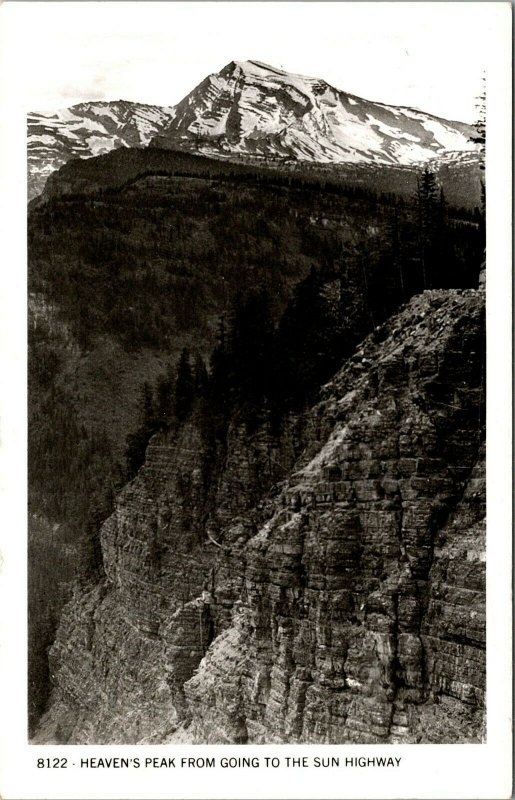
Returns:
<point x="138" y="256"/>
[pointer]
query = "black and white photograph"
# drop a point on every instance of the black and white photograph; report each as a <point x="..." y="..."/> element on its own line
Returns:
<point x="256" y="284"/>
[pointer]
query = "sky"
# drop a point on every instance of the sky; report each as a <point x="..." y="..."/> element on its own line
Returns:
<point x="426" y="55"/>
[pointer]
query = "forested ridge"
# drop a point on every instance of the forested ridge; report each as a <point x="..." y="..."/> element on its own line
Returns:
<point x="114" y="171"/>
<point x="249" y="290"/>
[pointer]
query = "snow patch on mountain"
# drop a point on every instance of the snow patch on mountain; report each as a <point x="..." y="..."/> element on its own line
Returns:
<point x="388" y="130"/>
<point x="448" y="138"/>
<point x="43" y="138"/>
<point x="100" y="144"/>
<point x="104" y="111"/>
<point x="87" y="124"/>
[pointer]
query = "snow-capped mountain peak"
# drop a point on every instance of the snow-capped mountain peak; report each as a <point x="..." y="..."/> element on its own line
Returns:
<point x="250" y="108"/>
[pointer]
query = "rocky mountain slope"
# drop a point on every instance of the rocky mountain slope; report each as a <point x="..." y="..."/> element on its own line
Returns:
<point x="165" y="242"/>
<point x="252" y="109"/>
<point x="345" y="605"/>
<point x="85" y="130"/>
<point x="163" y="265"/>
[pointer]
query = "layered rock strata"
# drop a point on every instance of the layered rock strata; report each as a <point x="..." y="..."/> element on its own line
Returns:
<point x="345" y="606"/>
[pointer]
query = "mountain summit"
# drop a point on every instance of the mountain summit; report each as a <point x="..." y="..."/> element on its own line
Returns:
<point x="252" y="109"/>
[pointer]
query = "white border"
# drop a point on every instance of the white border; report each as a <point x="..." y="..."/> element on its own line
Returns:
<point x="427" y="771"/>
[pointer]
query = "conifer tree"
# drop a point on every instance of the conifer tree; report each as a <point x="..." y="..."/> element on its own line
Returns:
<point x="200" y="377"/>
<point x="218" y="383"/>
<point x="428" y="204"/>
<point x="304" y="336"/>
<point x="250" y="343"/>
<point x="479" y="138"/>
<point x="137" y="442"/>
<point x="479" y="135"/>
<point x="164" y="398"/>
<point x="396" y="248"/>
<point x="183" y="387"/>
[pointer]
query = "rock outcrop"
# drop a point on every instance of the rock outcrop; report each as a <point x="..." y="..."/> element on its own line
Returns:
<point x="344" y="605"/>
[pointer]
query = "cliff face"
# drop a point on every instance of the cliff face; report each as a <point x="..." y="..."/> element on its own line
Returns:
<point x="345" y="605"/>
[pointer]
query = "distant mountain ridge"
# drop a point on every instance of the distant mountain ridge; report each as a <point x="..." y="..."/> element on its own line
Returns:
<point x="250" y="110"/>
<point x="85" y="130"/>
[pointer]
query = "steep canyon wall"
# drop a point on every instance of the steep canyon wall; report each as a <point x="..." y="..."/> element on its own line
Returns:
<point x="336" y="595"/>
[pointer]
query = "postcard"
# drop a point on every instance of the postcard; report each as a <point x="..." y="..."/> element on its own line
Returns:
<point x="256" y="419"/>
